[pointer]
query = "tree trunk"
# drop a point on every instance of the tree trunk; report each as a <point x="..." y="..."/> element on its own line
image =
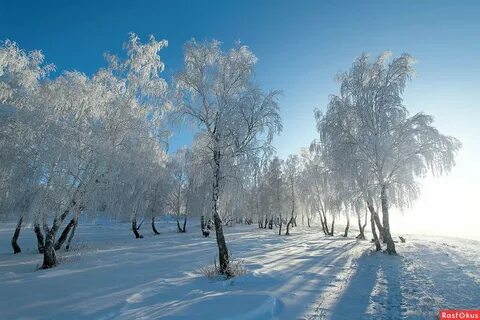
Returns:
<point x="366" y="220"/>
<point x="347" y="227"/>
<point x="379" y="226"/>
<point x="365" y="223"/>
<point x="266" y="222"/>
<point x="386" y="223"/>
<point x="378" y="246"/>
<point x="222" y="245"/>
<point x="155" y="231"/>
<point x="16" y="234"/>
<point x="64" y="234"/>
<point x="135" y="228"/>
<point x="290" y="223"/>
<point x="185" y="224"/>
<point x="325" y="221"/>
<point x="308" y="222"/>
<point x="323" y="225"/>
<point x="376" y="219"/>
<point x="49" y="257"/>
<point x="179" y="228"/>
<point x="333" y="226"/>
<point x="280" y="227"/>
<point x="72" y="233"/>
<point x="361" y="228"/>
<point x="292" y="217"/>
<point x="40" y="239"/>
<point x="205" y="227"/>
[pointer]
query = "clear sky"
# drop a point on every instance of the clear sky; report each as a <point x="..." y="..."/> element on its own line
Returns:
<point x="301" y="45"/>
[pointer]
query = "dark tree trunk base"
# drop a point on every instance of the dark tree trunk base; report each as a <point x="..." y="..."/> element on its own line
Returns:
<point x="135" y="229"/>
<point x="16" y="234"/>
<point x="155" y="231"/>
<point x="222" y="247"/>
<point x="223" y="256"/>
<point x="347" y="227"/>
<point x="332" y="229"/>
<point x="325" y="224"/>
<point x="373" y="214"/>
<point x="64" y="235"/>
<point x="379" y="226"/>
<point x="386" y="224"/>
<point x="40" y="239"/>
<point x="67" y="248"/>
<point x="290" y="223"/>
<point x="361" y="236"/>
<point x="49" y="257"/>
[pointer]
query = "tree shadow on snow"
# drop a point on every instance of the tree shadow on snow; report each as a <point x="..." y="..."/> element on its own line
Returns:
<point x="373" y="291"/>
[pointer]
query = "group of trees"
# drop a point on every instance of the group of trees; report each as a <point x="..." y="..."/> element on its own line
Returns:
<point x="281" y="192"/>
<point x="73" y="144"/>
<point x="372" y="145"/>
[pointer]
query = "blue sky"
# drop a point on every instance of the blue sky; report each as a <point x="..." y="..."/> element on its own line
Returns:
<point x="301" y="45"/>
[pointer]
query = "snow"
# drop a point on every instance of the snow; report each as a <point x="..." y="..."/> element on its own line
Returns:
<point x="111" y="275"/>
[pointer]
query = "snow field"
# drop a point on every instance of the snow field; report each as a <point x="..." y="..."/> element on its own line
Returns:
<point x="111" y="275"/>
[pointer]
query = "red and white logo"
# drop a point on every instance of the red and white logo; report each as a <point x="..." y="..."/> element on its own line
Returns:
<point x="459" y="314"/>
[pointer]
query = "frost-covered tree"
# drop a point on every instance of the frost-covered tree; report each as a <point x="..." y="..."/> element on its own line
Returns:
<point x="291" y="174"/>
<point x="276" y="192"/>
<point x="368" y="127"/>
<point x="70" y="138"/>
<point x="216" y="91"/>
<point x="319" y="181"/>
<point x="257" y="195"/>
<point x="20" y="76"/>
<point x="179" y="184"/>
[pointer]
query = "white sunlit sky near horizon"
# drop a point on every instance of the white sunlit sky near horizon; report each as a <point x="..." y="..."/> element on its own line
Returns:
<point x="301" y="45"/>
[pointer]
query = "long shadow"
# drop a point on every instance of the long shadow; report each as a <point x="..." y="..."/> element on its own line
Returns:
<point x="312" y="278"/>
<point x="391" y="302"/>
<point x="411" y="287"/>
<point x="377" y="291"/>
<point x="354" y="302"/>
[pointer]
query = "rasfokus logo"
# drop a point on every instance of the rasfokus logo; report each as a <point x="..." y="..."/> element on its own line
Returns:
<point x="459" y="314"/>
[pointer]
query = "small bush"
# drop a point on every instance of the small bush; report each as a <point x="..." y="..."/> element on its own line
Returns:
<point x="210" y="270"/>
<point x="236" y="268"/>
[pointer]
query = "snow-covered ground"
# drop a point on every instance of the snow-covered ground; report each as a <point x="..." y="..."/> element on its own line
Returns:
<point x="110" y="275"/>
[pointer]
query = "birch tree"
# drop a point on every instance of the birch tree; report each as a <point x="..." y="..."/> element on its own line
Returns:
<point x="71" y="134"/>
<point x="368" y="123"/>
<point x="291" y="172"/>
<point x="217" y="92"/>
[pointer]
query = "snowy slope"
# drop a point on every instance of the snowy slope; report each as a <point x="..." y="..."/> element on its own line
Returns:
<point x="303" y="276"/>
